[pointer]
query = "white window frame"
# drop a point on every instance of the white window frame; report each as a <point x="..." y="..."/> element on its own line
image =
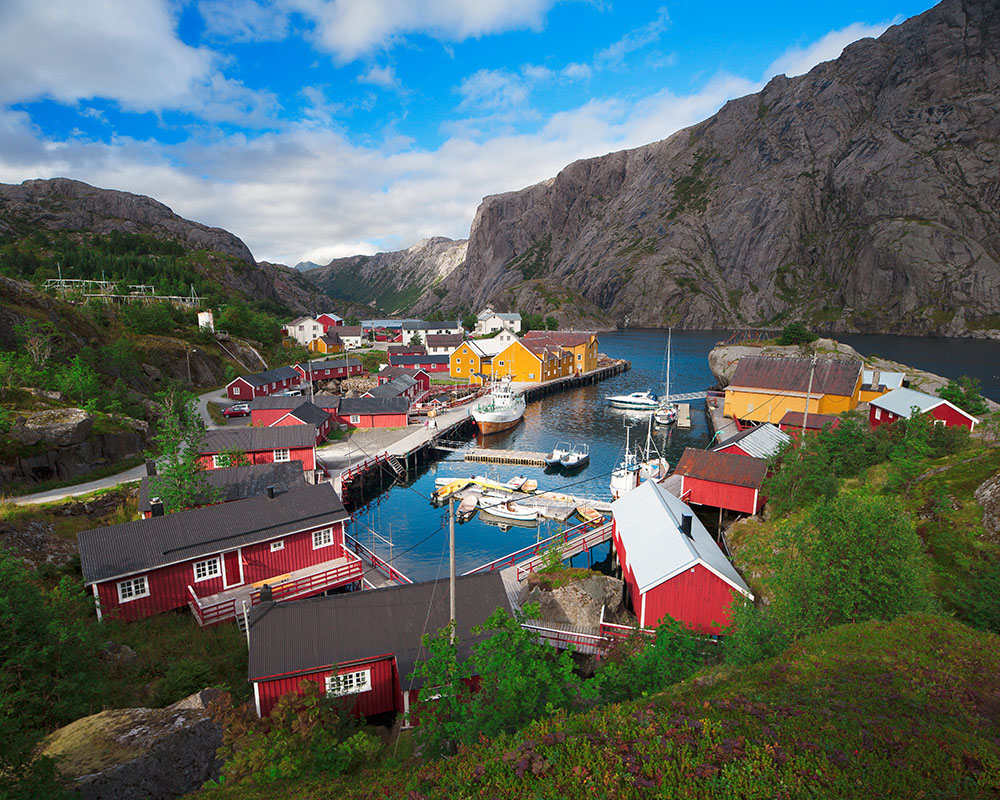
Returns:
<point x="220" y="461"/>
<point x="322" y="538"/>
<point x="878" y="413"/>
<point x="236" y="390"/>
<point x="345" y="683"/>
<point x="132" y="586"/>
<point x="210" y="568"/>
<point x="278" y="545"/>
<point x="355" y="419"/>
<point x="281" y="455"/>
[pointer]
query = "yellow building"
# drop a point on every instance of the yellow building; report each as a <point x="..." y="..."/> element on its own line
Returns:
<point x="764" y="388"/>
<point x="581" y="344"/>
<point x="327" y="344"/>
<point x="527" y="361"/>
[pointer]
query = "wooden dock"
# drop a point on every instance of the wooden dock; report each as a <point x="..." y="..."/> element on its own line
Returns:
<point x="523" y="457"/>
<point x="683" y="415"/>
<point x="612" y="367"/>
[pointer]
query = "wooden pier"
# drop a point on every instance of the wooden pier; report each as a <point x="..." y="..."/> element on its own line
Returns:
<point x="571" y="382"/>
<point x="683" y="415"/>
<point x="523" y="457"/>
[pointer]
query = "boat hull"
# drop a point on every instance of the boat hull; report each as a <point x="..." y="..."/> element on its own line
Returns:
<point x="487" y="427"/>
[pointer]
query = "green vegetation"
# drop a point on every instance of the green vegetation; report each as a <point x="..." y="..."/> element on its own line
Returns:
<point x="535" y="322"/>
<point x="180" y="482"/>
<point x="796" y="333"/>
<point x="965" y="394"/>
<point x="533" y="262"/>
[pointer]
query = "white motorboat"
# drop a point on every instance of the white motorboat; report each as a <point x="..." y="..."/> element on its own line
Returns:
<point x="578" y="457"/>
<point x="642" y="401"/>
<point x="554" y="458"/>
<point x="510" y="510"/>
<point x="517" y="481"/>
<point x="500" y="409"/>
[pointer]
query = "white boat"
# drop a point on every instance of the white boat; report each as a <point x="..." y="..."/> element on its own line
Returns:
<point x="642" y="401"/>
<point x="666" y="412"/>
<point x="467" y="507"/>
<point x="577" y="457"/>
<point x="558" y="452"/>
<point x="510" y="510"/>
<point x="625" y="477"/>
<point x="517" y="481"/>
<point x="638" y="467"/>
<point x="499" y="410"/>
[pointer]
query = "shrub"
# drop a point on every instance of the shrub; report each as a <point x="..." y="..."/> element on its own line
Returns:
<point x="182" y="678"/>
<point x="796" y="333"/>
<point x="965" y="394"/>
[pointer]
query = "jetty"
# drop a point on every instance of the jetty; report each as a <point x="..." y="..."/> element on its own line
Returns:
<point x="683" y="415"/>
<point x="523" y="457"/>
<point x="533" y="391"/>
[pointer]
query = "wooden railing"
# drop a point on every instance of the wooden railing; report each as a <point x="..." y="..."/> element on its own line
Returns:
<point x="380" y="564"/>
<point x="315" y="582"/>
<point x="211" y="614"/>
<point x="570" y="548"/>
<point x="511" y="559"/>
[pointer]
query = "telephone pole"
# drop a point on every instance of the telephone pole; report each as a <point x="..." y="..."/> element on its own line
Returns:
<point x="805" y="416"/>
<point x="451" y="563"/>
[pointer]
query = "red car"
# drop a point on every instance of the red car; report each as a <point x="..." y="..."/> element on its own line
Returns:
<point x="237" y="410"/>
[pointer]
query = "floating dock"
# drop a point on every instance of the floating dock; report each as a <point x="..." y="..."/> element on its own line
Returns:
<point x="683" y="415"/>
<point x="523" y="457"/>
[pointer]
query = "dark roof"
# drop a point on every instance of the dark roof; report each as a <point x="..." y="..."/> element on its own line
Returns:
<point x="330" y="363"/>
<point x="394" y="388"/>
<point x="390" y="372"/>
<point x="275" y="401"/>
<point x="406" y="349"/>
<point x="311" y="414"/>
<point x="422" y="325"/>
<point x="373" y="405"/>
<point x="444" y="339"/>
<point x="145" y="544"/>
<point x="331" y="338"/>
<point x="311" y="634"/>
<point x="792" y="375"/>
<point x="731" y="468"/>
<point x="349" y="330"/>
<point x="235" y="483"/>
<point x="247" y="439"/>
<point x="815" y="421"/>
<point x="270" y="376"/>
<point x="403" y="361"/>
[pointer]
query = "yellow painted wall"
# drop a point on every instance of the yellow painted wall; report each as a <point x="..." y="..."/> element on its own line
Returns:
<point x="464" y="363"/>
<point x="584" y="356"/>
<point x="766" y="406"/>
<point x="319" y="346"/>
<point x="519" y="362"/>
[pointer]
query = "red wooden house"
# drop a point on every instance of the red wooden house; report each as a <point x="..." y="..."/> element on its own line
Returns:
<point x="266" y="410"/>
<point x="262" y="446"/>
<point x="328" y="321"/>
<point x="406" y="350"/>
<point x="230" y="483"/>
<point x="370" y="640"/>
<point x="899" y="404"/>
<point x="792" y="422"/>
<point x="213" y="559"/>
<point x="722" y="480"/>
<point x="373" y="412"/>
<point x="762" y="441"/>
<point x="670" y="562"/>
<point x="388" y="372"/>
<point x="400" y="386"/>
<point x="427" y="363"/>
<point x="262" y="384"/>
<point x="307" y="414"/>
<point x="332" y="369"/>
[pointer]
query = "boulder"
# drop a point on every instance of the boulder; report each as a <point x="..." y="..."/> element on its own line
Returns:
<point x="579" y="602"/>
<point x="61" y="427"/>
<point x="988" y="496"/>
<point x="117" y="653"/>
<point x="139" y="753"/>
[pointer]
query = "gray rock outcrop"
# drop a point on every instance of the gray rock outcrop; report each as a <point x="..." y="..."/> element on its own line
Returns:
<point x="579" y="602"/>
<point x="988" y="496"/>
<point x="59" y="427"/>
<point x="139" y="753"/>
<point x="862" y="196"/>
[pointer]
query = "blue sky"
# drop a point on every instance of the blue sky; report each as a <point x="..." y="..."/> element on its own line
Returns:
<point x="321" y="128"/>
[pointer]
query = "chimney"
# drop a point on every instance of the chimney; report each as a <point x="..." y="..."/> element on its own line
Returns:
<point x="265" y="594"/>
<point x="156" y="506"/>
<point x="270" y="496"/>
<point x="686" y="520"/>
<point x="150" y="467"/>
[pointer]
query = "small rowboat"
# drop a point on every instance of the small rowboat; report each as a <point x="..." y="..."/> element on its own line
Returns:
<point x="554" y="458"/>
<point x="589" y="514"/>
<point x="517" y="481"/>
<point x="529" y="485"/>
<point x="511" y="510"/>
<point x="467" y="507"/>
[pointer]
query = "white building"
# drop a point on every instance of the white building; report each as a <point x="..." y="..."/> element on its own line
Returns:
<point x="304" y="330"/>
<point x="489" y="320"/>
<point x="206" y="320"/>
<point x="443" y="344"/>
<point x="422" y="329"/>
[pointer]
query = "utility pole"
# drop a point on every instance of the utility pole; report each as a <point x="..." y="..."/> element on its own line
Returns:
<point x="451" y="562"/>
<point x="805" y="416"/>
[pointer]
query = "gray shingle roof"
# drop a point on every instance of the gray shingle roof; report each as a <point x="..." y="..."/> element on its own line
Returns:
<point x="146" y="544"/>
<point x="792" y="375"/>
<point x="270" y="376"/>
<point x="330" y="363"/>
<point x="311" y="634"/>
<point x="310" y="414"/>
<point x="393" y="388"/>
<point x="403" y="361"/>
<point x="373" y="405"/>
<point x="236" y="483"/>
<point x="762" y="441"/>
<point x="247" y="439"/>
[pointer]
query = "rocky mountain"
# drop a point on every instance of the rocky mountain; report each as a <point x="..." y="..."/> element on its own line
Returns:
<point x="862" y="196"/>
<point x="305" y="266"/>
<point x="78" y="209"/>
<point x="392" y="281"/>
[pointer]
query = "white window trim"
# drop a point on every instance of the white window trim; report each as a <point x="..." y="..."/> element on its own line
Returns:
<point x="282" y="455"/>
<point x="320" y="536"/>
<point x="345" y="683"/>
<point x="208" y="563"/>
<point x="355" y="419"/>
<point x="278" y="545"/>
<point x="236" y="390"/>
<point x="135" y="593"/>
<point x="220" y="461"/>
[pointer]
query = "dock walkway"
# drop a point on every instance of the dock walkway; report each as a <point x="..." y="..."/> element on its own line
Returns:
<point x="523" y="457"/>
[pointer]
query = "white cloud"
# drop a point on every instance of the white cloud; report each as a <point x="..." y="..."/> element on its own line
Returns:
<point x="493" y="89"/>
<point x="353" y="28"/>
<point x="799" y="60"/>
<point x="244" y="20"/>
<point x="614" y="55"/>
<point x="380" y="76"/>
<point x="326" y="253"/>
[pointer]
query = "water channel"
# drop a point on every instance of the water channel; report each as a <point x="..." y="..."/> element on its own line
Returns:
<point x="419" y="531"/>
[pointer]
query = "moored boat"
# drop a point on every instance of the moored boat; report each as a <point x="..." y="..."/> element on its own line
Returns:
<point x="510" y="510"/>
<point x="642" y="401"/>
<point x="558" y="452"/>
<point x="467" y="508"/>
<point x="577" y="457"/>
<point x="499" y="410"/>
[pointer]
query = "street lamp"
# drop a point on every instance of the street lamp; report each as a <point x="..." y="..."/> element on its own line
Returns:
<point x="188" y="354"/>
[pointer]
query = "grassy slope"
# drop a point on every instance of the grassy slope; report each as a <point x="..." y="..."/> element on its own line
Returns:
<point x="907" y="709"/>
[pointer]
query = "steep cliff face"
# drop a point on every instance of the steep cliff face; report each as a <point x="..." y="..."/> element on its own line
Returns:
<point x="61" y="204"/>
<point x="862" y="196"/>
<point x="391" y="281"/>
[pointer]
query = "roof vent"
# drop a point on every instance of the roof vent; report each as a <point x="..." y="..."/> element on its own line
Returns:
<point x="686" y="520"/>
<point x="270" y="492"/>
<point x="156" y="506"/>
<point x="265" y="594"/>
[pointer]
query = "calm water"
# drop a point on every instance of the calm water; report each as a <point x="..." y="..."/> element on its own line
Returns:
<point x="419" y="530"/>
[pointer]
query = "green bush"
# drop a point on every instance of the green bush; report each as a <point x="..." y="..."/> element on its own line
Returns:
<point x="965" y="393"/>
<point x="796" y="333"/>
<point x="182" y="678"/>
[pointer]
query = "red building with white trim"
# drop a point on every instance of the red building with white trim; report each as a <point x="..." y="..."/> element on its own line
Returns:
<point x="427" y="363"/>
<point x="212" y="559"/>
<point x="262" y="446"/>
<point x="389" y="372"/>
<point x="722" y="480"/>
<point x="670" y="563"/>
<point x="331" y="369"/>
<point x="306" y="414"/>
<point x="373" y="412"/>
<point x="899" y="404"/>
<point x="262" y="384"/>
<point x="328" y="320"/>
<point x="370" y="639"/>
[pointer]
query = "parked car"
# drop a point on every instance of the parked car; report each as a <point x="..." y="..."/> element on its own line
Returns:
<point x="290" y="393"/>
<point x="237" y="410"/>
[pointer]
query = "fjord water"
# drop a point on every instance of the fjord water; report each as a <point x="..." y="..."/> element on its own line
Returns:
<point x="419" y="530"/>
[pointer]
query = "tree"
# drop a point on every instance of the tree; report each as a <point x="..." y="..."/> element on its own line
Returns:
<point x="353" y="321"/>
<point x="415" y="340"/>
<point x="469" y="321"/>
<point x="39" y="339"/>
<point x="442" y="701"/>
<point x="965" y="394"/>
<point x="234" y="458"/>
<point x="180" y="482"/>
<point x="551" y="323"/>
<point x="796" y="333"/>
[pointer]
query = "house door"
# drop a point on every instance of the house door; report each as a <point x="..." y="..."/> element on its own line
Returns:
<point x="232" y="569"/>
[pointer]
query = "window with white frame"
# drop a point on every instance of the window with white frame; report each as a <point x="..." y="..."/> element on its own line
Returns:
<point x="132" y="589"/>
<point x="203" y="570"/>
<point x="349" y="683"/>
<point x="878" y="413"/>
<point x="355" y="419"/>
<point x="236" y="390"/>
<point x="322" y="538"/>
<point x="219" y="460"/>
<point x="278" y="545"/>
<point x="282" y="455"/>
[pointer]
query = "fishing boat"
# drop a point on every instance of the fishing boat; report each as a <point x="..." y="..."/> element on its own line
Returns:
<point x="641" y="401"/>
<point x="499" y="410"/>
<point x="625" y="477"/>
<point x="652" y="466"/>
<point x="556" y="456"/>
<point x="577" y="457"/>
<point x="666" y="412"/>
<point x="638" y="465"/>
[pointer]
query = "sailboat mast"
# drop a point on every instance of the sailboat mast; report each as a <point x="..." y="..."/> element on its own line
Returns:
<point x="666" y="387"/>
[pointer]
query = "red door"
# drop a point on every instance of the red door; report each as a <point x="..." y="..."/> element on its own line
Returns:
<point x="232" y="569"/>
